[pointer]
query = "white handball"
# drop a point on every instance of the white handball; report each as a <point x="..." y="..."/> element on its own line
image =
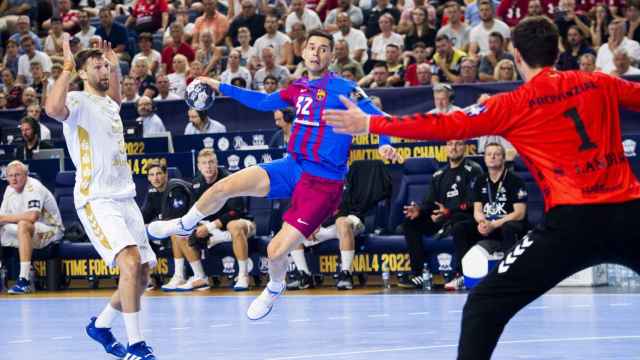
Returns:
<point x="199" y="96"/>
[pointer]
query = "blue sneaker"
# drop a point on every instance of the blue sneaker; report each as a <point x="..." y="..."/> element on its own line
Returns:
<point x="139" y="351"/>
<point x="105" y="337"/>
<point x="22" y="286"/>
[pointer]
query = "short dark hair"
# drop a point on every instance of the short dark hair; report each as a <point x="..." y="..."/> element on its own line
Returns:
<point x="498" y="35"/>
<point x="288" y="115"/>
<point x="393" y="46"/>
<point x="238" y="81"/>
<point x="419" y="44"/>
<point x="322" y="34"/>
<point x="536" y="38"/>
<point x="84" y="55"/>
<point x="145" y="36"/>
<point x="443" y="37"/>
<point x="156" y="164"/>
<point x="270" y="77"/>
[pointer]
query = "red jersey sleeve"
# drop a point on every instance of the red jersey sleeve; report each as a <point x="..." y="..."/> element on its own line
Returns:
<point x="491" y="118"/>
<point x="627" y="92"/>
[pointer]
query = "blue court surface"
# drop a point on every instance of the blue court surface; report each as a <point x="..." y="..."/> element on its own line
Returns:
<point x="560" y="325"/>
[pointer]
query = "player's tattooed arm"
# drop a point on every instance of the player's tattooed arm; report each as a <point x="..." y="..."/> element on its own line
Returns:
<point x="55" y="104"/>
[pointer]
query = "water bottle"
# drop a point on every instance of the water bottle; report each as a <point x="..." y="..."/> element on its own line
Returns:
<point x="385" y="276"/>
<point x="426" y="277"/>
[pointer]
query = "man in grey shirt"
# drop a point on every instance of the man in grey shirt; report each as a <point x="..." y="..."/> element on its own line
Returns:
<point x="456" y="29"/>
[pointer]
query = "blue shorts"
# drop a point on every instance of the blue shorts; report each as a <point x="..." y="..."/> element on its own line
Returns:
<point x="284" y="174"/>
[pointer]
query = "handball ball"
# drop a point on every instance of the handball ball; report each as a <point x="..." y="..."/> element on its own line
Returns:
<point x="199" y="96"/>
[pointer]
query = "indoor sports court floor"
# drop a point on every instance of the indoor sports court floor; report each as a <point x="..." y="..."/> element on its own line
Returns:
<point x="321" y="324"/>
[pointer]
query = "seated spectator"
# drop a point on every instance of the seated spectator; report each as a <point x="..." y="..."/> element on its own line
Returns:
<point x="114" y="33"/>
<point x="208" y="54"/>
<point x="30" y="220"/>
<point x="129" y="90"/>
<point x="479" y="34"/>
<point x="298" y="13"/>
<point x="177" y="47"/>
<point x="53" y="43"/>
<point x="151" y="91"/>
<point x="419" y="30"/>
<point x="587" y="63"/>
<point x="31" y="54"/>
<point x="178" y="78"/>
<point x="534" y="8"/>
<point x="3" y="101"/>
<point x="456" y="30"/>
<point x="11" y="11"/>
<point x="35" y="111"/>
<point x="201" y="123"/>
<point x="356" y="39"/>
<point x="31" y="141"/>
<point x="145" y="43"/>
<point x="148" y="16"/>
<point x="373" y="16"/>
<point x="270" y="84"/>
<point x="576" y="46"/>
<point x="420" y="56"/>
<point x="447" y="210"/>
<point x="443" y="99"/>
<point x="141" y="72"/>
<point x="622" y="64"/>
<point x="489" y="61"/>
<point x="229" y="224"/>
<point x="182" y="18"/>
<point x="239" y="82"/>
<point x="12" y="89"/>
<point x="68" y="16"/>
<point x="152" y="205"/>
<point x="247" y="52"/>
<point x="29" y="96"/>
<point x="423" y="76"/>
<point x="599" y="29"/>
<point x="162" y="83"/>
<point x="249" y="19"/>
<point x="566" y="17"/>
<point x="385" y="37"/>
<point x="86" y="29"/>
<point x="472" y="12"/>
<point x="195" y="71"/>
<point x="24" y="28"/>
<point x="151" y="123"/>
<point x="349" y="73"/>
<point x="499" y="205"/>
<point x="274" y="39"/>
<point x="344" y="6"/>
<point x="298" y="37"/>
<point x="395" y="66"/>
<point x="632" y="15"/>
<point x="468" y="71"/>
<point x="270" y="68"/>
<point x="213" y="21"/>
<point x="11" y="56"/>
<point x="343" y="60"/>
<point x="42" y="84"/>
<point x="283" y="118"/>
<point x="447" y="61"/>
<point x="505" y="71"/>
<point x="617" y="40"/>
<point x="234" y="70"/>
<point x="377" y="78"/>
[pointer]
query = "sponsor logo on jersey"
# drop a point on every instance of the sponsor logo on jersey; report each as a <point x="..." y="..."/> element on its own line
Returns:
<point x="321" y="94"/>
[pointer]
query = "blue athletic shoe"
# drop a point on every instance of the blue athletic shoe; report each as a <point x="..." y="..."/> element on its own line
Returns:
<point x="139" y="351"/>
<point x="22" y="286"/>
<point x="105" y="337"/>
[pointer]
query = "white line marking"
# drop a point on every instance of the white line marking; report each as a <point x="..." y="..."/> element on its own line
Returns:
<point x="299" y="320"/>
<point x="620" y="304"/>
<point x="338" y="318"/>
<point x="377" y="315"/>
<point x="20" y="341"/>
<point x="580" y="306"/>
<point x="181" y="328"/>
<point x="61" y="338"/>
<point x="447" y="346"/>
<point x="219" y="325"/>
<point x="419" y="313"/>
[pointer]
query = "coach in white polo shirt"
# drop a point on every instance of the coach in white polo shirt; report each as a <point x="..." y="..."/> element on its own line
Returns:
<point x="29" y="219"/>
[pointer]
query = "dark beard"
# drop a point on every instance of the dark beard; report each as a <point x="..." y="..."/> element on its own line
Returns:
<point x="102" y="86"/>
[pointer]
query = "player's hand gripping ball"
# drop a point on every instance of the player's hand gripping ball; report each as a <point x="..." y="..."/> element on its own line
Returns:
<point x="199" y="96"/>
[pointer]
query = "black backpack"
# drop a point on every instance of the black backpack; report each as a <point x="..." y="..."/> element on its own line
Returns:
<point x="177" y="199"/>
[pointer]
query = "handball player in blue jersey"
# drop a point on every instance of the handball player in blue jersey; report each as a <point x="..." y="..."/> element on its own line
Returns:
<point x="311" y="174"/>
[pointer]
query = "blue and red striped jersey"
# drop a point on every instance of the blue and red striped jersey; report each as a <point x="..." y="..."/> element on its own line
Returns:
<point x="319" y="150"/>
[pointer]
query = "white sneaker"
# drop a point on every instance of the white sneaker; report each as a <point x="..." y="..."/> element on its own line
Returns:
<point x="262" y="305"/>
<point x="198" y="284"/>
<point x="455" y="284"/>
<point x="164" y="229"/>
<point x="173" y="284"/>
<point x="242" y="283"/>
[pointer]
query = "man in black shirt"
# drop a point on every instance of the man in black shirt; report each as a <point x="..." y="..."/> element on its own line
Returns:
<point x="152" y="206"/>
<point x="446" y="208"/>
<point x="31" y="143"/>
<point x="576" y="46"/>
<point x="247" y="18"/>
<point x="499" y="205"/>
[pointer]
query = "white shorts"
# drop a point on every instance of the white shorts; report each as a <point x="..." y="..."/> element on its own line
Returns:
<point x="112" y="225"/>
<point x="43" y="235"/>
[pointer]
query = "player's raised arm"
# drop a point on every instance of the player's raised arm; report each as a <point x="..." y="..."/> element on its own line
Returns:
<point x="55" y="104"/>
<point x="488" y="118"/>
<point x="249" y="98"/>
<point x="114" y="68"/>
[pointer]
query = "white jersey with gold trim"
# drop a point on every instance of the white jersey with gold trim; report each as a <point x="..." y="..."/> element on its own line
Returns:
<point x="95" y="139"/>
<point x="34" y="197"/>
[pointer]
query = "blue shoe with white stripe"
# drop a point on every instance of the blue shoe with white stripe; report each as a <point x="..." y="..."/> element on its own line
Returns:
<point x="262" y="305"/>
<point x="22" y="286"/>
<point x="105" y="337"/>
<point x="139" y="351"/>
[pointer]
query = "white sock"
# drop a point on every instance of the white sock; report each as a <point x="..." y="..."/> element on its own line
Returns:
<point x="278" y="269"/>
<point x="178" y="267"/>
<point x="243" y="267"/>
<point x="347" y="259"/>
<point x="106" y="317"/>
<point x="191" y="218"/>
<point x="133" y="326"/>
<point x="198" y="271"/>
<point x="25" y="268"/>
<point x="300" y="260"/>
<point x="275" y="285"/>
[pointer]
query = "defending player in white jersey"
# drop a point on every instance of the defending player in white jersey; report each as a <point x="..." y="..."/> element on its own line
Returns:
<point x="104" y="190"/>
